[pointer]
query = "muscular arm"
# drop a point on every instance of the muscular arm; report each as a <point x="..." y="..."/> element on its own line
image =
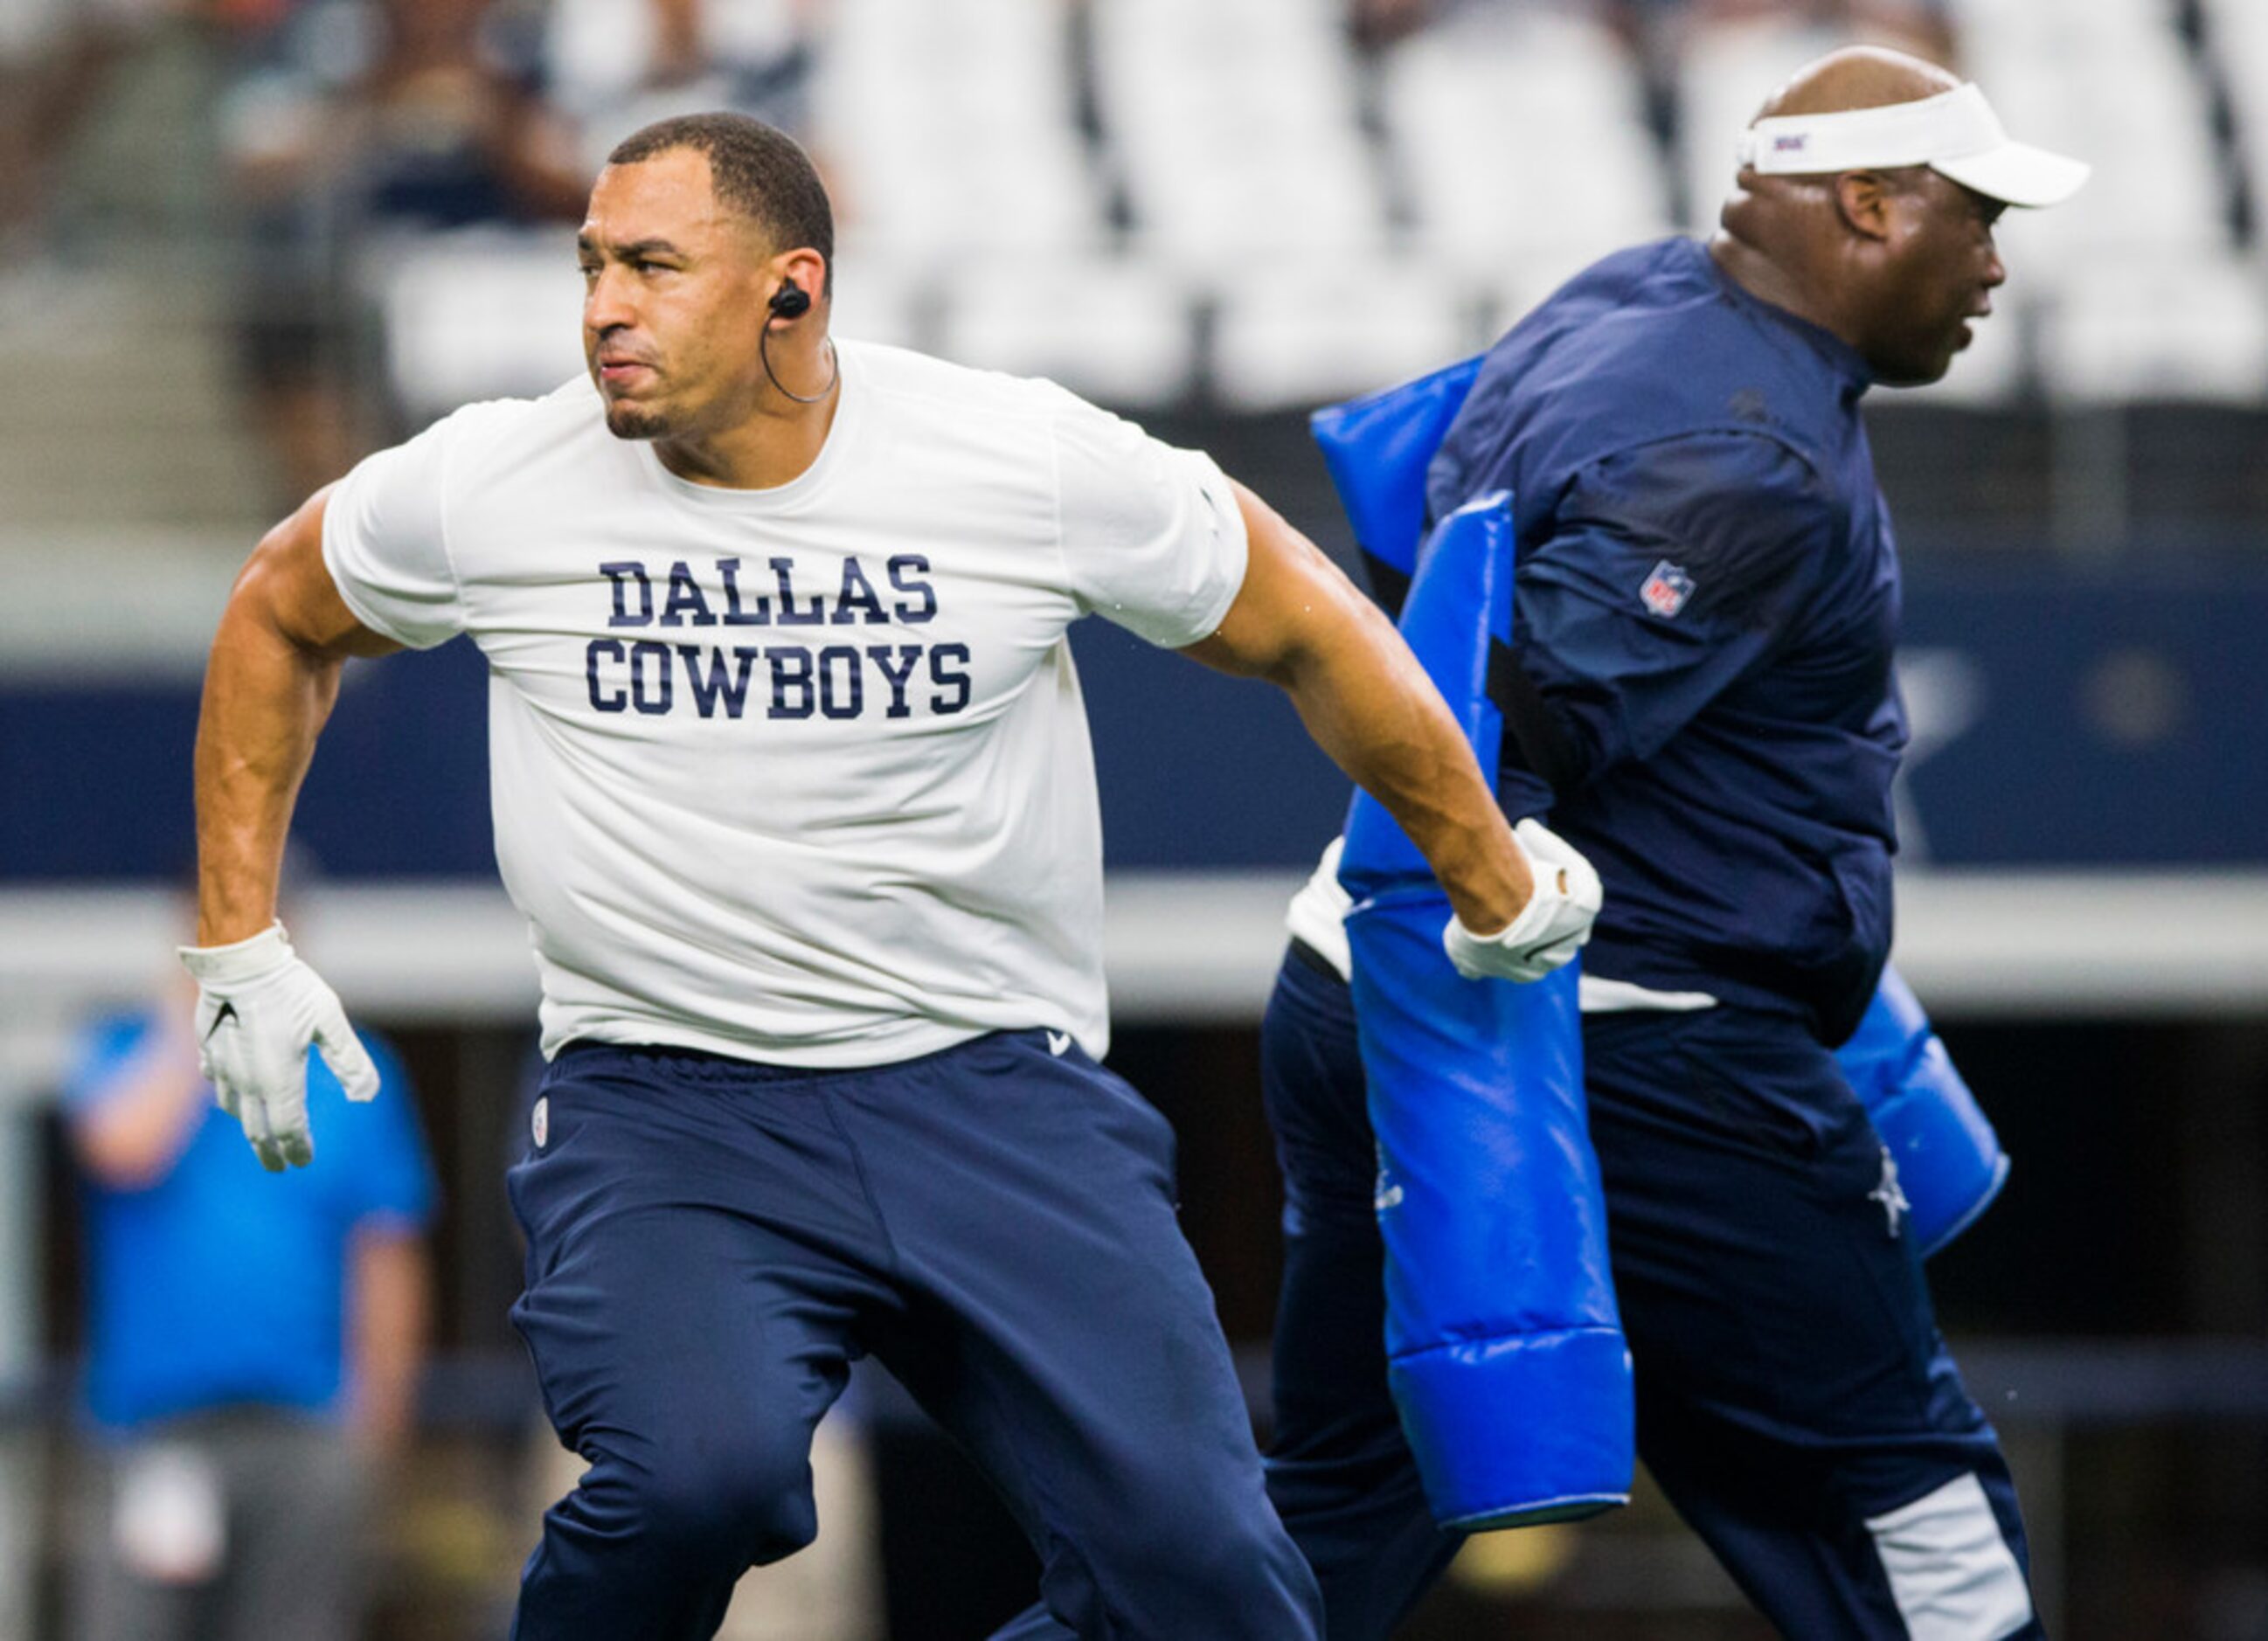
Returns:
<point x="270" y="684"/>
<point x="1302" y="625"/>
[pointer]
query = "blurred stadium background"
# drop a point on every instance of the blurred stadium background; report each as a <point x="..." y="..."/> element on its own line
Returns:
<point x="243" y="241"/>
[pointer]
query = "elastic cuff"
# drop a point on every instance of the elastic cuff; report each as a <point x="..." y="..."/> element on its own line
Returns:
<point x="1534" y="917"/>
<point x="247" y="959"/>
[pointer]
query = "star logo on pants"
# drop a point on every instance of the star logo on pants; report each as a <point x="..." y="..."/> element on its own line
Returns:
<point x="1891" y="1195"/>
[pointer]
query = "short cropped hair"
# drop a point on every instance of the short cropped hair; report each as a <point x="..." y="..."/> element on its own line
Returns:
<point x="758" y="170"/>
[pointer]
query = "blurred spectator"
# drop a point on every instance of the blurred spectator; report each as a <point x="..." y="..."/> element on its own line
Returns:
<point x="55" y="58"/>
<point x="613" y="66"/>
<point x="355" y="128"/>
<point x="253" y="1343"/>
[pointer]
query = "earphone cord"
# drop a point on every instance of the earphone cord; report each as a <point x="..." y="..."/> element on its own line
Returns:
<point x="834" y="375"/>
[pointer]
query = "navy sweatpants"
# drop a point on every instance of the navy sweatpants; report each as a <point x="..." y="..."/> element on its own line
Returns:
<point x="1794" y="1398"/>
<point x="711" y="1243"/>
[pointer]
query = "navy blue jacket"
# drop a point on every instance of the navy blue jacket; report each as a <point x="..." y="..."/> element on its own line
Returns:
<point x="1706" y="601"/>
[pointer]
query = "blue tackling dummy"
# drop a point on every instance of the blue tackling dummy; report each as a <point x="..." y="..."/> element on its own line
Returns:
<point x="1503" y="1351"/>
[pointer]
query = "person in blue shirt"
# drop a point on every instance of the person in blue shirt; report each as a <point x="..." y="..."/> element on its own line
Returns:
<point x="252" y="1342"/>
<point x="1706" y="604"/>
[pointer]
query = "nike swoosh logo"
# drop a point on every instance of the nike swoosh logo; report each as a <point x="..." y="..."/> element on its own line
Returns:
<point x="225" y="1012"/>
<point x="1058" y="1042"/>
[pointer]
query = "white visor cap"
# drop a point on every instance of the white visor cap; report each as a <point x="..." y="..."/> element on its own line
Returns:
<point x="1954" y="133"/>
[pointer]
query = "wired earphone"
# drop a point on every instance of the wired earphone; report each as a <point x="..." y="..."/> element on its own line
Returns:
<point x="792" y="301"/>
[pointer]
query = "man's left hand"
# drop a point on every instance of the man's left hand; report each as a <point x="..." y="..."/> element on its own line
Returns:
<point x="1550" y="928"/>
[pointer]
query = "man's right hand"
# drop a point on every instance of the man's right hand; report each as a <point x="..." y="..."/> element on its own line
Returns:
<point x="259" y="1007"/>
<point x="1550" y="928"/>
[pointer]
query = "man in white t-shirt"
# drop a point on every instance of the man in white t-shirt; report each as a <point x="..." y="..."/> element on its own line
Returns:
<point x="791" y="779"/>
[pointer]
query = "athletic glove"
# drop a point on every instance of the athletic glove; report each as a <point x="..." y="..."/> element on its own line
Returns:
<point x="258" y="1009"/>
<point x="1550" y="929"/>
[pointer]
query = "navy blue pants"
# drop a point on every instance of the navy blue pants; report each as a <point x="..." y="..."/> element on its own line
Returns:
<point x="711" y="1243"/>
<point x="1794" y="1398"/>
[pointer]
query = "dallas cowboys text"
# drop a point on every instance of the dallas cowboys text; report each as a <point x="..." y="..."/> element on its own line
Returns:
<point x="839" y="680"/>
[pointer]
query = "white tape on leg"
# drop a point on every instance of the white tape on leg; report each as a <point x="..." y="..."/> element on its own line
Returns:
<point x="1951" y="1572"/>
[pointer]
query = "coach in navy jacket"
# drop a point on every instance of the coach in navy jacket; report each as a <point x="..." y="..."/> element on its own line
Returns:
<point x="1705" y="611"/>
<point x="1708" y="595"/>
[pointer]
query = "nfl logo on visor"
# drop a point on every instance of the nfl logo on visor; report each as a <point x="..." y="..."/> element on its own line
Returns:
<point x="1666" y="589"/>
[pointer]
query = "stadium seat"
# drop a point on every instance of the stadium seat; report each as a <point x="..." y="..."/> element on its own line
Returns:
<point x="2138" y="286"/>
<point x="877" y="298"/>
<point x="2236" y="35"/>
<point x="947" y="128"/>
<point x="1232" y="127"/>
<point x="1114" y="329"/>
<point x="2156" y="329"/>
<point x="481" y="313"/>
<point x="2111" y="82"/>
<point x="1519" y="141"/>
<point x="1298" y="334"/>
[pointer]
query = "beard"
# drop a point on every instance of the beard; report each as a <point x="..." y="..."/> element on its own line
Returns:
<point x="1917" y="352"/>
<point x="636" y="421"/>
<point x="1922" y="360"/>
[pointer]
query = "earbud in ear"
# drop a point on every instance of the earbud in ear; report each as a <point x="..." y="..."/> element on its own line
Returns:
<point x="791" y="301"/>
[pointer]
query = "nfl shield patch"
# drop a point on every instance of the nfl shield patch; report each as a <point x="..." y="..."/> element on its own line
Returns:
<point x="1666" y="590"/>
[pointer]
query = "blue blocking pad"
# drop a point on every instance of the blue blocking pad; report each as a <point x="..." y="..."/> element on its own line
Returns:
<point x="1378" y="448"/>
<point x="1505" y="1351"/>
<point x="1949" y="1161"/>
<point x="1504" y="1348"/>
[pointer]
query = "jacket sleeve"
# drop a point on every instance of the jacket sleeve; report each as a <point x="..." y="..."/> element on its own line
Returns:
<point x="1668" y="572"/>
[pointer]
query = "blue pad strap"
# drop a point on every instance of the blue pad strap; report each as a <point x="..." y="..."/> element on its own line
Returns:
<point x="1505" y="1351"/>
<point x="1949" y="1161"/>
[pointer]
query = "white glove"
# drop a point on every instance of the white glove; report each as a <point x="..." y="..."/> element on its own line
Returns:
<point x="258" y="1008"/>
<point x="1555" y="921"/>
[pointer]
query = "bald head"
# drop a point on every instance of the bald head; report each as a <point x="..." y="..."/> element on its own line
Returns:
<point x="1897" y="260"/>
<point x="1857" y="76"/>
<point x="1782" y="208"/>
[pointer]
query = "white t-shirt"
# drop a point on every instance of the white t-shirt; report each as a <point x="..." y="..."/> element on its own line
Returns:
<point x="797" y="775"/>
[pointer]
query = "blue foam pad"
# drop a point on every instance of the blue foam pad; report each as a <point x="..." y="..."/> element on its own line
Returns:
<point x="1949" y="1161"/>
<point x="1503" y="1347"/>
<point x="1535" y="1411"/>
<point x="1377" y="449"/>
